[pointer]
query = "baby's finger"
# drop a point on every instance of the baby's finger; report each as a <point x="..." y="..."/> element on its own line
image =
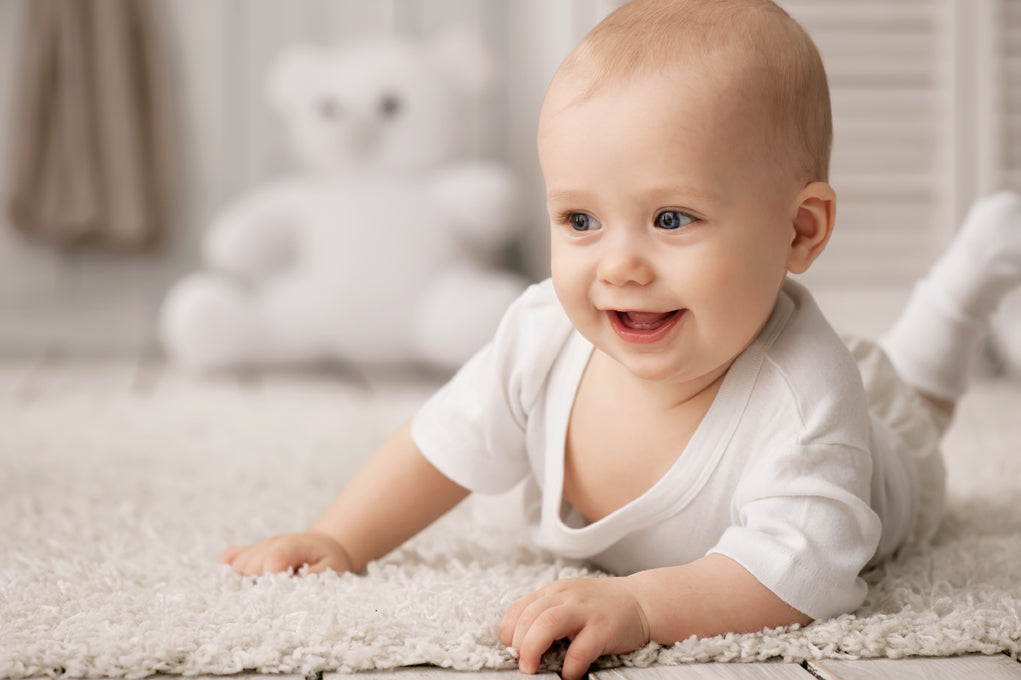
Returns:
<point x="282" y="556"/>
<point x="230" y="554"/>
<point x="325" y="564"/>
<point x="551" y="625"/>
<point x="586" y="647"/>
<point x="318" y="567"/>
<point x="510" y="619"/>
<point x="533" y="609"/>
<point x="247" y="562"/>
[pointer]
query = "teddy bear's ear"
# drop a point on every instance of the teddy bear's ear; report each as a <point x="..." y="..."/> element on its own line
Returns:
<point x="462" y="57"/>
<point x="290" y="74"/>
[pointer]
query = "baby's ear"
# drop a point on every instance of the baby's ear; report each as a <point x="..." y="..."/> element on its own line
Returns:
<point x="814" y="213"/>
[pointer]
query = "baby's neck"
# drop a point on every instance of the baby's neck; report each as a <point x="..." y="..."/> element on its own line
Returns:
<point x="661" y="395"/>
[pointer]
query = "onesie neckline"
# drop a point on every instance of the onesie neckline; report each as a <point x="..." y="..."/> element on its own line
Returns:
<point x="690" y="471"/>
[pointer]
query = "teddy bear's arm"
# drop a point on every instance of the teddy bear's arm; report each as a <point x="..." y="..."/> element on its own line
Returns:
<point x="253" y="236"/>
<point x="482" y="201"/>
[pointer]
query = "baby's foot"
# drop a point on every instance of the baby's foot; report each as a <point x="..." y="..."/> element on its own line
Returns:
<point x="939" y="336"/>
<point x="983" y="262"/>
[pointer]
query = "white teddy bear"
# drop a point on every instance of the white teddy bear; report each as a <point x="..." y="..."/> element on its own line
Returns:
<point x="379" y="250"/>
<point x="1006" y="336"/>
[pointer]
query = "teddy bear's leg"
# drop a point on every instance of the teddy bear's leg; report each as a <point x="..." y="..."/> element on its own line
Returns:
<point x="460" y="312"/>
<point x="208" y="321"/>
<point x="296" y="319"/>
<point x="1006" y="335"/>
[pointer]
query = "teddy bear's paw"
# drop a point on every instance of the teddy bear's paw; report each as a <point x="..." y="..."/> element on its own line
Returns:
<point x="460" y="312"/>
<point x="207" y="321"/>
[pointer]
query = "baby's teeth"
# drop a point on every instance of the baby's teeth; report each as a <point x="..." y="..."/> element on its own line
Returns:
<point x="645" y="320"/>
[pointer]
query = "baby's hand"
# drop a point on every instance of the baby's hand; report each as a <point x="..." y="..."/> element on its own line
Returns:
<point x="598" y="615"/>
<point x="280" y="553"/>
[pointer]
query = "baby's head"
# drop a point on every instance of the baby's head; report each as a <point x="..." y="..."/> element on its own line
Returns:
<point x="751" y="47"/>
<point x="685" y="146"/>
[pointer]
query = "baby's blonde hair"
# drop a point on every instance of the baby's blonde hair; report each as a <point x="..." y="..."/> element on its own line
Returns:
<point x="781" y="63"/>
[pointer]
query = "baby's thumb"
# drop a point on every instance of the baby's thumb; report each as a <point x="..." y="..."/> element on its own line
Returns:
<point x="318" y="567"/>
<point x="328" y="554"/>
<point x="327" y="563"/>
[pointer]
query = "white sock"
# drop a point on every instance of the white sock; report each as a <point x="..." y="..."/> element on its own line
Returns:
<point x="983" y="262"/>
<point x="938" y="337"/>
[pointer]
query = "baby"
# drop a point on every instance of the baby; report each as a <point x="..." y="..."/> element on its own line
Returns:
<point x="682" y="412"/>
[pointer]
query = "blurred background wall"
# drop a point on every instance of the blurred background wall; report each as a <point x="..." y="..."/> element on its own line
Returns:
<point x="926" y="119"/>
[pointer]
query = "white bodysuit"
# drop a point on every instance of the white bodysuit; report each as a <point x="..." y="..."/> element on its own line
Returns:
<point x="788" y="473"/>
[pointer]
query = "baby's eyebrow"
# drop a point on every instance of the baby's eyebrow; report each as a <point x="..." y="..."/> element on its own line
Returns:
<point x="566" y="196"/>
<point x="685" y="191"/>
<point x="667" y="192"/>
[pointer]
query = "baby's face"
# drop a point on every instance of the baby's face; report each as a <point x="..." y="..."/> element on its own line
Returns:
<point x="671" y="225"/>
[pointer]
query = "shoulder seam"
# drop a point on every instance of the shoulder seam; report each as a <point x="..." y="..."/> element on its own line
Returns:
<point x="791" y="392"/>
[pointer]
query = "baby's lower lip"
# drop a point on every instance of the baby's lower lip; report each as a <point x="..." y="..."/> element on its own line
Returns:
<point x="643" y="333"/>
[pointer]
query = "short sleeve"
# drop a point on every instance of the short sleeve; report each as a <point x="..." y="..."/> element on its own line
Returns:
<point x="474" y="428"/>
<point x="805" y="529"/>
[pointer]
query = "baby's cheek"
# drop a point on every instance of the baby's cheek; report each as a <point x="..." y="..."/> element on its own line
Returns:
<point x="739" y="300"/>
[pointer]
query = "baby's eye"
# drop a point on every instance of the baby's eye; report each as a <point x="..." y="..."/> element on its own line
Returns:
<point x="673" y="219"/>
<point x="582" y="222"/>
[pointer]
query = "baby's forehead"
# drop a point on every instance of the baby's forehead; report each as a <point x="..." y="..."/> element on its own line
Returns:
<point x="740" y="58"/>
<point x="697" y="111"/>
<point x="715" y="80"/>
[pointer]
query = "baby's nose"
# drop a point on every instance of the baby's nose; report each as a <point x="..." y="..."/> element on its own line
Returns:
<point x="623" y="261"/>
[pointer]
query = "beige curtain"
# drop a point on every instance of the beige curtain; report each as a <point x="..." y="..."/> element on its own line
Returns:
<point x="89" y="126"/>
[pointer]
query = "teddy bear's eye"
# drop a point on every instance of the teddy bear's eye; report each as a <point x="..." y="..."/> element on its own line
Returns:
<point x="329" y="108"/>
<point x="389" y="106"/>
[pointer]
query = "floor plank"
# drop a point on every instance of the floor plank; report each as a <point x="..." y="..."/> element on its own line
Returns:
<point x="433" y="673"/>
<point x="996" y="667"/>
<point x="236" y="676"/>
<point x="409" y="673"/>
<point x="708" y="671"/>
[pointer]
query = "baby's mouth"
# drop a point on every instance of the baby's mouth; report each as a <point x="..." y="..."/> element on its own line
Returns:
<point x="644" y="328"/>
<point x="645" y="321"/>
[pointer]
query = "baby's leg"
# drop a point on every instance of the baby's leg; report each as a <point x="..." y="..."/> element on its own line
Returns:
<point x="939" y="335"/>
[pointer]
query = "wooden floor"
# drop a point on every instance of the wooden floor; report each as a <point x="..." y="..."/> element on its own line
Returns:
<point x="31" y="379"/>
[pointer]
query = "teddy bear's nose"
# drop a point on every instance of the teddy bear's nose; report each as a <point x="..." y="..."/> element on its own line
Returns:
<point x="362" y="135"/>
<point x="330" y="108"/>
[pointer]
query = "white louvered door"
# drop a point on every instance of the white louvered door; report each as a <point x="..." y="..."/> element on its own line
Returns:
<point x="927" y="117"/>
<point x="887" y="92"/>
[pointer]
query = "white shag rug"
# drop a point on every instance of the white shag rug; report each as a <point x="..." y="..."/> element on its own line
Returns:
<point x="113" y="511"/>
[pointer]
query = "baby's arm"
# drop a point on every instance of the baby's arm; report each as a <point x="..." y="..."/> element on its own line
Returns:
<point x="395" y="494"/>
<point x="710" y="596"/>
